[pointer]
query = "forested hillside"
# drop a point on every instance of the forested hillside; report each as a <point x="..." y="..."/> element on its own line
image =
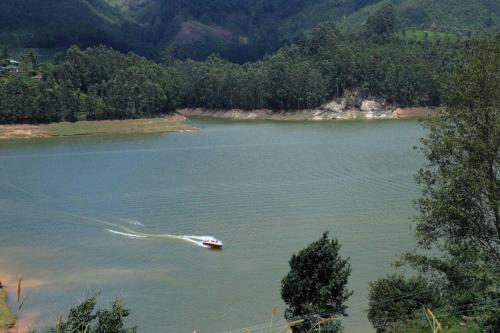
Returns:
<point x="100" y="83"/>
<point x="237" y="30"/>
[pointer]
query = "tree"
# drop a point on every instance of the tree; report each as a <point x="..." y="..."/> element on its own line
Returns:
<point x="32" y="57"/>
<point x="382" y="22"/>
<point x="396" y="298"/>
<point x="324" y="35"/>
<point x="4" y="53"/>
<point x="86" y="318"/>
<point x="317" y="283"/>
<point x="458" y="225"/>
<point x="167" y="56"/>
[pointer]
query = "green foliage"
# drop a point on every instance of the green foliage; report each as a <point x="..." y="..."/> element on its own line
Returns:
<point x="424" y="36"/>
<point x="383" y="22"/>
<point x="395" y="298"/>
<point x="86" y="318"/>
<point x="23" y="100"/>
<point x="459" y="206"/>
<point x="421" y="325"/>
<point x="317" y="282"/>
<point x="97" y="83"/>
<point x="320" y="68"/>
<point x="458" y="226"/>
<point x="323" y="36"/>
<point x="100" y="83"/>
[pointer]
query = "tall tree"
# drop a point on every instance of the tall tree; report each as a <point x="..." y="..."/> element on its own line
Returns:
<point x="458" y="209"/>
<point x="317" y="283"/>
<point x="4" y="53"/>
<point x="382" y="22"/>
<point x="32" y="57"/>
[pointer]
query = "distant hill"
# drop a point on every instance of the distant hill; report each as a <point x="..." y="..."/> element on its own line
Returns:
<point x="60" y="23"/>
<point x="461" y="17"/>
<point x="237" y="29"/>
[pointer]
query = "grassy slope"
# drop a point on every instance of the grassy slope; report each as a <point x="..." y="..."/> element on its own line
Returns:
<point x="135" y="126"/>
<point x="7" y="318"/>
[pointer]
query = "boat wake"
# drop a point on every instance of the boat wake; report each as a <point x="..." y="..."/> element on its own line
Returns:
<point x="125" y="234"/>
<point x="120" y="230"/>
<point x="134" y="222"/>
<point x="202" y="241"/>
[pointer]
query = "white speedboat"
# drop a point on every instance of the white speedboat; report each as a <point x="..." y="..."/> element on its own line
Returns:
<point x="205" y="241"/>
<point x="212" y="243"/>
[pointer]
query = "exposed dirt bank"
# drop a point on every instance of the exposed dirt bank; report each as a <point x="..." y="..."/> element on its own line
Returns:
<point x="327" y="112"/>
<point x="414" y="113"/>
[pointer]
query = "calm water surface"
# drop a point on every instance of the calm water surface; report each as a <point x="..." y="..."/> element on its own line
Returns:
<point x="266" y="189"/>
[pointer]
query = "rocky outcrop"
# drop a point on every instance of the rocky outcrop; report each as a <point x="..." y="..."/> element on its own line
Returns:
<point x="351" y="106"/>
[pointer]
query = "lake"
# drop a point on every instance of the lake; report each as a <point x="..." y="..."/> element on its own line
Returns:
<point x="266" y="189"/>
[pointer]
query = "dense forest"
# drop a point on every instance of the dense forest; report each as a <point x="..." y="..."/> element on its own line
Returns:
<point x="101" y="83"/>
<point x="238" y="30"/>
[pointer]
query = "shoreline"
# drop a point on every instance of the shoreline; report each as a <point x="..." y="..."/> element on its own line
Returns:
<point x="176" y="122"/>
<point x="7" y="318"/>
<point x="9" y="321"/>
<point x="322" y="114"/>
<point x="173" y="123"/>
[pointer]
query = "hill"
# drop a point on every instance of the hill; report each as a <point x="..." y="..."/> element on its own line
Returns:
<point x="60" y="23"/>
<point x="238" y="30"/>
<point x="462" y="17"/>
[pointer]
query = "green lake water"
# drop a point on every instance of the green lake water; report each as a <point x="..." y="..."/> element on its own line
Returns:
<point x="266" y="189"/>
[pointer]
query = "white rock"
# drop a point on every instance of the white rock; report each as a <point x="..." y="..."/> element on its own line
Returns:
<point x="370" y="105"/>
<point x="333" y="106"/>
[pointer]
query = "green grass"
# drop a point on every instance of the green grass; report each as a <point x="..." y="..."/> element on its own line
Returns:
<point x="136" y="126"/>
<point x="7" y="318"/>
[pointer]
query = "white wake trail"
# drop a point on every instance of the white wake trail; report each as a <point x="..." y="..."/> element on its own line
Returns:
<point x="197" y="240"/>
<point x="125" y="234"/>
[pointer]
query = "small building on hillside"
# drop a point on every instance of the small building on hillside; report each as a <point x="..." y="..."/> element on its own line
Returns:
<point x="9" y="69"/>
<point x="9" y="66"/>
